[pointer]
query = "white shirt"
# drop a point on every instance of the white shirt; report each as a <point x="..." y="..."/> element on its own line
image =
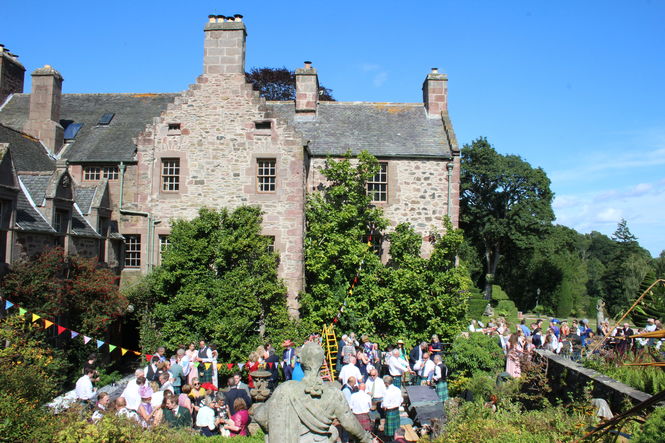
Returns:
<point x="84" y="390"/>
<point x="397" y="366"/>
<point x="377" y="385"/>
<point x="347" y="371"/>
<point x="167" y="385"/>
<point x="131" y="394"/>
<point x="206" y="418"/>
<point x="424" y="368"/>
<point x="157" y="399"/>
<point x="392" y="398"/>
<point x="360" y="402"/>
<point x="125" y="412"/>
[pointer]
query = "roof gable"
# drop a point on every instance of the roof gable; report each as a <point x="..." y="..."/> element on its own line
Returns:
<point x="27" y="152"/>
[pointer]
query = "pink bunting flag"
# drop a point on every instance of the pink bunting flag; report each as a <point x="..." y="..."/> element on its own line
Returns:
<point x="86" y="339"/>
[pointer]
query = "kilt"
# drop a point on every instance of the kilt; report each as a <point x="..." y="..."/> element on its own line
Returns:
<point x="397" y="381"/>
<point x="442" y="390"/>
<point x="392" y="422"/>
<point x="415" y="380"/>
<point x="364" y="421"/>
<point x="205" y="375"/>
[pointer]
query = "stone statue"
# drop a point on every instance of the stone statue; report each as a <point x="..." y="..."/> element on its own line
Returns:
<point x="303" y="411"/>
<point x="601" y="313"/>
<point x="489" y="312"/>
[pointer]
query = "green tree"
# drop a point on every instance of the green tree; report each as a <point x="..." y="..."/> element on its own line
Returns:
<point x="506" y="204"/>
<point x="279" y="84"/>
<point x="406" y="298"/>
<point x="217" y="282"/>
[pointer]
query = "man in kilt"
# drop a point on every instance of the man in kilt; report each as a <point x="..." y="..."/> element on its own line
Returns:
<point x="392" y="400"/>
<point x="361" y="403"/>
<point x="205" y="356"/>
<point x="397" y="366"/>
<point x="440" y="378"/>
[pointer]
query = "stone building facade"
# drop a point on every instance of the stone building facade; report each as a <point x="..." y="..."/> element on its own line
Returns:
<point x="153" y="158"/>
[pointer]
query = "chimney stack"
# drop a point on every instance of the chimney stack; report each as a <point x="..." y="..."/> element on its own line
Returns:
<point x="12" y="74"/>
<point x="44" y="118"/>
<point x="435" y="93"/>
<point x="307" y="90"/>
<point x="224" y="45"/>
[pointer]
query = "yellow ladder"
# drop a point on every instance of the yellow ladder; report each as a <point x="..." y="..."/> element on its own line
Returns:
<point x="330" y="346"/>
<point x="324" y="372"/>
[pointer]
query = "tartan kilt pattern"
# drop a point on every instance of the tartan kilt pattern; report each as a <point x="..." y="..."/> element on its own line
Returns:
<point x="205" y="375"/>
<point x="397" y="381"/>
<point x="364" y="421"/>
<point x="442" y="390"/>
<point x="392" y="422"/>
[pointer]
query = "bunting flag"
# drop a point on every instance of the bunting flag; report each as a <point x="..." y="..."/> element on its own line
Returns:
<point x="21" y="311"/>
<point x="207" y="365"/>
<point x="48" y="324"/>
<point x="112" y="348"/>
<point x="86" y="339"/>
<point x="136" y="352"/>
<point x="219" y="366"/>
<point x="123" y="351"/>
<point x="99" y="344"/>
<point x="148" y="358"/>
<point x="8" y="304"/>
<point x="61" y="329"/>
<point x="196" y="364"/>
<point x="35" y="317"/>
<point x="74" y="333"/>
<point x="229" y="365"/>
<point x="240" y="365"/>
<point x="270" y="364"/>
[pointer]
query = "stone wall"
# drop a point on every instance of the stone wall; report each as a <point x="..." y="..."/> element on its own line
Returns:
<point x="417" y="193"/>
<point x="84" y="247"/>
<point x="217" y="146"/>
<point x="568" y="378"/>
<point x="30" y="244"/>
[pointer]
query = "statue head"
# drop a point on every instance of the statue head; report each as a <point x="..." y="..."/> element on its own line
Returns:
<point x="311" y="357"/>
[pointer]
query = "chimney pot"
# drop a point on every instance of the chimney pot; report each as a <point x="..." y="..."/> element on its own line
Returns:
<point x="238" y="17"/>
<point x="435" y="93"/>
<point x="212" y="19"/>
<point x="308" y="65"/>
<point x="435" y="70"/>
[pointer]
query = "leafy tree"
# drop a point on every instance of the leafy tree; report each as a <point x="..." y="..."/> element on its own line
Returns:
<point x="279" y="84"/>
<point x="81" y="294"/>
<point x="506" y="204"/>
<point x="406" y="298"/>
<point x="217" y="282"/>
<point x="475" y="353"/>
<point x="623" y="234"/>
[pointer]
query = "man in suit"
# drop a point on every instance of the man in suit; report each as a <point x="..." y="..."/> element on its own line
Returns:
<point x="288" y="359"/>
<point x="233" y="393"/>
<point x="239" y="383"/>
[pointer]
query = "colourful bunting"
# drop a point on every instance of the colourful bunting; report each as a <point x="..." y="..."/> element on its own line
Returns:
<point x="196" y="364"/>
<point x="229" y="365"/>
<point x="219" y="366"/>
<point x="240" y="365"/>
<point x="8" y="304"/>
<point x="112" y="348"/>
<point x="123" y="351"/>
<point x="270" y="364"/>
<point x="86" y="339"/>
<point x="35" y="317"/>
<point x="207" y="365"/>
<point x="136" y="352"/>
<point x="148" y="358"/>
<point x="74" y="333"/>
<point x="99" y="344"/>
<point x="21" y="311"/>
<point x="61" y="329"/>
<point x="47" y="324"/>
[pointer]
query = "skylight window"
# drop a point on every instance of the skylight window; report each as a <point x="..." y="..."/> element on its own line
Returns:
<point x="106" y="118"/>
<point x="71" y="130"/>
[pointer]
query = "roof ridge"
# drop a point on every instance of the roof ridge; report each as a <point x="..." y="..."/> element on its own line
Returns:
<point x="414" y="104"/>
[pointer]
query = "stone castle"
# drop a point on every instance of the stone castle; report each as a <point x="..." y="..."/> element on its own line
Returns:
<point x="103" y="175"/>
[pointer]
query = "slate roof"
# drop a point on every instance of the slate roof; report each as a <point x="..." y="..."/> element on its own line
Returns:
<point x="36" y="186"/>
<point x="84" y="198"/>
<point x="28" y="218"/>
<point x="383" y="129"/>
<point x="27" y="152"/>
<point x="94" y="143"/>
<point x="80" y="225"/>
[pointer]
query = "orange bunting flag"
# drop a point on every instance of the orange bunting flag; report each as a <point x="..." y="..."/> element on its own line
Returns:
<point x="47" y="324"/>
<point x="207" y="365"/>
<point x="229" y="365"/>
<point x="35" y="317"/>
<point x="136" y="352"/>
<point x="61" y="329"/>
<point x="123" y="351"/>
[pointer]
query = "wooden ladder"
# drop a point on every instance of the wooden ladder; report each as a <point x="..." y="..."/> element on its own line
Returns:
<point x="330" y="347"/>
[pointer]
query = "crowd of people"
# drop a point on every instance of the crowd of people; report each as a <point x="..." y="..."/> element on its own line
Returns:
<point x="182" y="391"/>
<point x="561" y="338"/>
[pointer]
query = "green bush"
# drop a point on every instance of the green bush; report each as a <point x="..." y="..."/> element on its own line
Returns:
<point x="506" y="308"/>
<point x="649" y="379"/>
<point x="477" y="303"/>
<point x="498" y="293"/>
<point x="654" y="428"/>
<point x="478" y="352"/>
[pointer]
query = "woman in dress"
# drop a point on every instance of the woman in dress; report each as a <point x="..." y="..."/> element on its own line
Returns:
<point x="145" y="410"/>
<point x="191" y="353"/>
<point x="515" y="350"/>
<point x="252" y="365"/>
<point x="237" y="424"/>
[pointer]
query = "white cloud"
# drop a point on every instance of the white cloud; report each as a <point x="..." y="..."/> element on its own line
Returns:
<point x="379" y="75"/>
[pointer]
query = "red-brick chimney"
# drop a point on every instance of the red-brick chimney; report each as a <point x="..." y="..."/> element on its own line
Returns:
<point x="44" y="118"/>
<point x="12" y="74"/>
<point x="224" y="45"/>
<point x="307" y="90"/>
<point x="435" y="93"/>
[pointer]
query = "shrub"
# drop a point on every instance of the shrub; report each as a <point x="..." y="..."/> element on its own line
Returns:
<point x="498" y="293"/>
<point x="477" y="303"/>
<point x="477" y="352"/>
<point x="654" y="428"/>
<point x="506" y="308"/>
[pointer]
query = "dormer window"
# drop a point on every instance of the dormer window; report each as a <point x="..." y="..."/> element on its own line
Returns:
<point x="173" y="129"/>
<point x="71" y="130"/>
<point x="105" y="119"/>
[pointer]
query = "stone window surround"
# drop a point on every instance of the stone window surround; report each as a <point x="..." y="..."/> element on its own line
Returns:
<point x="278" y="245"/>
<point x="140" y="250"/>
<point x="391" y="172"/>
<point x="251" y="190"/>
<point x="170" y="174"/>
<point x="157" y="174"/>
<point x="110" y="175"/>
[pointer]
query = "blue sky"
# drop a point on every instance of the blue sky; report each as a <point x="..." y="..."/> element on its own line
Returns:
<point x="573" y="87"/>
